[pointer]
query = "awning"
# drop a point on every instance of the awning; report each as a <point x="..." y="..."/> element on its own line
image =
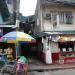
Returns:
<point x="60" y="32"/>
<point x="45" y="33"/>
<point x="58" y="36"/>
<point x="62" y="36"/>
<point x="39" y="35"/>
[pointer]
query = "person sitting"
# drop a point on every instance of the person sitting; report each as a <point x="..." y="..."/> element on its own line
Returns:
<point x="22" y="62"/>
<point x="9" y="53"/>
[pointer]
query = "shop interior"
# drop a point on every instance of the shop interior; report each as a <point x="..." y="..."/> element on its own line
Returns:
<point x="66" y="46"/>
<point x="67" y="52"/>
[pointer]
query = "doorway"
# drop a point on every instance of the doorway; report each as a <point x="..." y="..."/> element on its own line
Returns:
<point x="29" y="50"/>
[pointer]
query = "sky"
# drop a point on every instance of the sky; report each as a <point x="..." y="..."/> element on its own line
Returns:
<point x="27" y="7"/>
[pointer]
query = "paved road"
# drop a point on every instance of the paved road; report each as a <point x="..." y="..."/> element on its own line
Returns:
<point x="64" y="72"/>
<point x="55" y="72"/>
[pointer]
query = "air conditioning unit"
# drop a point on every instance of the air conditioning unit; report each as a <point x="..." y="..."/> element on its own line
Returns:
<point x="47" y="16"/>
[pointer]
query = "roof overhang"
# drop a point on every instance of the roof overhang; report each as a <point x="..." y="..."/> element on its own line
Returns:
<point x="52" y="33"/>
<point x="58" y="2"/>
<point x="13" y="26"/>
<point x="61" y="36"/>
<point x="60" y="32"/>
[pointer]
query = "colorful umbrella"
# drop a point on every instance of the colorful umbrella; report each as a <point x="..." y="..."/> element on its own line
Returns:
<point x="15" y="37"/>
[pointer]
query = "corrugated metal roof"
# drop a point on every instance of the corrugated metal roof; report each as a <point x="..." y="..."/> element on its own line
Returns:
<point x="60" y="32"/>
<point x="41" y="34"/>
<point x="71" y="1"/>
<point x="63" y="2"/>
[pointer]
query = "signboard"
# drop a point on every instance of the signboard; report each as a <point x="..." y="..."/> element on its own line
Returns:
<point x="69" y="60"/>
<point x="7" y="12"/>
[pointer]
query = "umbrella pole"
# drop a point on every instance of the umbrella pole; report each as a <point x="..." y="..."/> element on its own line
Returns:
<point x="17" y="49"/>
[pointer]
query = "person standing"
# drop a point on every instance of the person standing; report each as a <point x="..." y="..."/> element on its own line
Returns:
<point x="22" y="62"/>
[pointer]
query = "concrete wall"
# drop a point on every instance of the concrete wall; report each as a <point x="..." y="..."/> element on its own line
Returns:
<point x="52" y="46"/>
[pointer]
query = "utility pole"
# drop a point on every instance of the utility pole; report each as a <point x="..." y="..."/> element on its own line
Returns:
<point x="17" y="25"/>
<point x="17" y="14"/>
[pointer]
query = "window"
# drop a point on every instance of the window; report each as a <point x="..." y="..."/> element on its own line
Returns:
<point x="68" y="17"/>
<point x="65" y="17"/>
<point x="54" y="18"/>
<point x="60" y="17"/>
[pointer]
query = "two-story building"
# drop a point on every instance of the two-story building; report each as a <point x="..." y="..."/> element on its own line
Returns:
<point x="8" y="12"/>
<point x="55" y="27"/>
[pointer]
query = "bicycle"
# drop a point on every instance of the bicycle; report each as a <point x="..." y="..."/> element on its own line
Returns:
<point x="9" y="68"/>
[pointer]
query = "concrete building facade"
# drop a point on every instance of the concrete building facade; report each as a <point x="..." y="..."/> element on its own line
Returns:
<point x="55" y="25"/>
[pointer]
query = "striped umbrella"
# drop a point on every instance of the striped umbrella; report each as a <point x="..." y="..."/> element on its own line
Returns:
<point x="15" y="37"/>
